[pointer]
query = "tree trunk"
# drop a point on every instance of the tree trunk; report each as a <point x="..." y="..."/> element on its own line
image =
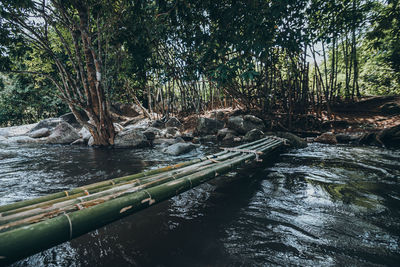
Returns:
<point x="97" y="109"/>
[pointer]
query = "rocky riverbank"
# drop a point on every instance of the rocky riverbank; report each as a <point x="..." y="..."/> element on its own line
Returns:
<point x="175" y="137"/>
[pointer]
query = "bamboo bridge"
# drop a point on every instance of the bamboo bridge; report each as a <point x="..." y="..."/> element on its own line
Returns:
<point x="30" y="226"/>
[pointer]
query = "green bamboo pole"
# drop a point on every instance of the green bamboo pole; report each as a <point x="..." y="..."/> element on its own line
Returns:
<point x="97" y="187"/>
<point x="25" y="241"/>
<point x="17" y="219"/>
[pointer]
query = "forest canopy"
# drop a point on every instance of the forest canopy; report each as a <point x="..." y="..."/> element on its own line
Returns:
<point x="190" y="56"/>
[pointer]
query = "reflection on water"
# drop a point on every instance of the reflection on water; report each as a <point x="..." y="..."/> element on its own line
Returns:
<point x="322" y="205"/>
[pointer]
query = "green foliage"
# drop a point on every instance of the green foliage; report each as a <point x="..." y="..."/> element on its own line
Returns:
<point x="24" y="100"/>
<point x="253" y="50"/>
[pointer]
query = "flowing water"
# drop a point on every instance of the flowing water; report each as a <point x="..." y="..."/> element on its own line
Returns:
<point x="320" y="206"/>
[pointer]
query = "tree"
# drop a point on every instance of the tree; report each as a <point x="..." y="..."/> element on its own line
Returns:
<point x="74" y="38"/>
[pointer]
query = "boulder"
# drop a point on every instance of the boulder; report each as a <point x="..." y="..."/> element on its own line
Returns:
<point x="369" y="139"/>
<point x="293" y="140"/>
<point x="333" y="124"/>
<point x="64" y="133"/>
<point x="170" y="132"/>
<point x="44" y="132"/>
<point x="69" y="118"/>
<point x="85" y="134"/>
<point x="188" y="136"/>
<point x="47" y="123"/>
<point x="173" y="122"/>
<point x="390" y="137"/>
<point x="208" y="126"/>
<point x="157" y="124"/>
<point x="253" y="135"/>
<point x="151" y="131"/>
<point x="80" y="141"/>
<point x="345" y="138"/>
<point x="24" y="140"/>
<point x="326" y="138"/>
<point x="391" y="108"/>
<point x="179" y="140"/>
<point x="131" y="138"/>
<point x="253" y="119"/>
<point x="17" y="130"/>
<point x="208" y="139"/>
<point x="142" y="124"/>
<point x="118" y="127"/>
<point x="164" y="142"/>
<point x="126" y="109"/>
<point x="229" y="139"/>
<point x="223" y="132"/>
<point x="91" y="141"/>
<point x="220" y="115"/>
<point x="179" y="149"/>
<point x="244" y="124"/>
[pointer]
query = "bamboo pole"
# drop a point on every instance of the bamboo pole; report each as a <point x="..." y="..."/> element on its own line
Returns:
<point x="81" y="191"/>
<point x="98" y="187"/>
<point x="38" y="212"/>
<point x="25" y="241"/>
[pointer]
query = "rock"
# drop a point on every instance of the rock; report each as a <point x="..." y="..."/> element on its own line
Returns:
<point x="245" y="124"/>
<point x="179" y="148"/>
<point x="44" y="132"/>
<point x="80" y="141"/>
<point x="24" y="140"/>
<point x="151" y="133"/>
<point x="326" y="138"/>
<point x="390" y="137"/>
<point x="188" y="136"/>
<point x="208" y="139"/>
<point x="293" y="140"/>
<point x="179" y="140"/>
<point x="17" y="130"/>
<point x="127" y="109"/>
<point x="229" y="139"/>
<point x="345" y="138"/>
<point x="157" y="124"/>
<point x="91" y="141"/>
<point x="163" y="142"/>
<point x="391" y="108"/>
<point x="69" y="118"/>
<point x="64" y="133"/>
<point x="223" y="132"/>
<point x="369" y="139"/>
<point x="220" y="115"/>
<point x="85" y="134"/>
<point x="156" y="132"/>
<point x="208" y="126"/>
<point x="173" y="122"/>
<point x="237" y="139"/>
<point x="131" y="138"/>
<point x="118" y="127"/>
<point x="253" y="135"/>
<point x="334" y="124"/>
<point x="142" y="124"/>
<point x="253" y="119"/>
<point x="47" y="123"/>
<point x="170" y="132"/>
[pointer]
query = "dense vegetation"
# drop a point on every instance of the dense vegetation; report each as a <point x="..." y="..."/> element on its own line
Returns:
<point x="177" y="56"/>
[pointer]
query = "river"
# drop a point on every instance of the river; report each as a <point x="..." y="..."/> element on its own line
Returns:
<point x="318" y="206"/>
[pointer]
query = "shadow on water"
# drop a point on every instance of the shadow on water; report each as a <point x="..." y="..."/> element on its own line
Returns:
<point x="322" y="205"/>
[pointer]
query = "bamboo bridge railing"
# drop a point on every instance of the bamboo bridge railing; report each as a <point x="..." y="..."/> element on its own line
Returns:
<point x="31" y="226"/>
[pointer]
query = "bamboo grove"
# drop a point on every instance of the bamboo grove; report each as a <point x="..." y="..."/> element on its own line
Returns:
<point x="182" y="57"/>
